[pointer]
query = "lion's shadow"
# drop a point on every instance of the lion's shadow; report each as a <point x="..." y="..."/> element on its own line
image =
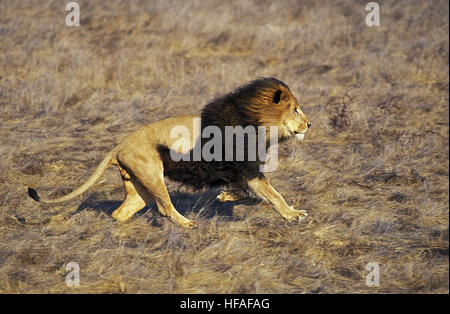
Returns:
<point x="203" y="204"/>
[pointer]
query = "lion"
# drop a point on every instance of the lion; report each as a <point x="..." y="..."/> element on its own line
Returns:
<point x="144" y="157"/>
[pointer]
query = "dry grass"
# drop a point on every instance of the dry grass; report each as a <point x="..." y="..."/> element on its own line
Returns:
<point x="373" y="172"/>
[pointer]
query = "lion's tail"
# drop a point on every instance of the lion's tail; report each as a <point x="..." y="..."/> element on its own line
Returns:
<point x="107" y="161"/>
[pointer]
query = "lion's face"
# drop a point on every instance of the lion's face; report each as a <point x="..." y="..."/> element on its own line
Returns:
<point x="293" y="122"/>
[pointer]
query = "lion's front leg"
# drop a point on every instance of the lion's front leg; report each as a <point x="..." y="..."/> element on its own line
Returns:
<point x="264" y="189"/>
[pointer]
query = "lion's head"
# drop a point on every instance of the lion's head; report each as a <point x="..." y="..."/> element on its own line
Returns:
<point x="262" y="102"/>
<point x="291" y="119"/>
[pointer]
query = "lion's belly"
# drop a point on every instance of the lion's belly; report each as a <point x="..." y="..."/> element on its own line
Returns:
<point x="197" y="174"/>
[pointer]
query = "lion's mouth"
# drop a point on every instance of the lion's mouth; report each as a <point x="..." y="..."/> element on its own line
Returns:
<point x="299" y="136"/>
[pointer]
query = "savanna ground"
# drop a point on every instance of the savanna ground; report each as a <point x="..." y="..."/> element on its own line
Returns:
<point x="373" y="171"/>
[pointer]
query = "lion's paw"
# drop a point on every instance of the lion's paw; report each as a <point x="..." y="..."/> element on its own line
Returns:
<point x="228" y="197"/>
<point x="295" y="215"/>
<point x="188" y="224"/>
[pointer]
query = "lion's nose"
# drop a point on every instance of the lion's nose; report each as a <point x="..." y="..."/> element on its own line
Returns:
<point x="309" y="125"/>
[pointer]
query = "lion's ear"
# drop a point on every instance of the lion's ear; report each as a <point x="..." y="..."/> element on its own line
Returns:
<point x="277" y="96"/>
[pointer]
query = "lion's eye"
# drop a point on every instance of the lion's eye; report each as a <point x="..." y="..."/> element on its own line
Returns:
<point x="296" y="111"/>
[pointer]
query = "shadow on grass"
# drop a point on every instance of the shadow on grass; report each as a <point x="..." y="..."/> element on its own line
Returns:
<point x="203" y="205"/>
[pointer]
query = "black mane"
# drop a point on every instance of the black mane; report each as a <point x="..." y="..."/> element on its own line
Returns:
<point x="227" y="110"/>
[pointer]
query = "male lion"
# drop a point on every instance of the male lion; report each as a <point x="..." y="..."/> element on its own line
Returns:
<point x="144" y="157"/>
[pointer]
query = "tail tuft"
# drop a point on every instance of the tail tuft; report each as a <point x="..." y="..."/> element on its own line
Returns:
<point x="33" y="194"/>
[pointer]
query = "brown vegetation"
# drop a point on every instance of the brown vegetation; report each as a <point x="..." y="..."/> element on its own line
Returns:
<point x="373" y="171"/>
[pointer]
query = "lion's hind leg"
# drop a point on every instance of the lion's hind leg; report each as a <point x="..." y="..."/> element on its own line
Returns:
<point x="133" y="201"/>
<point x="159" y="192"/>
<point x="150" y="186"/>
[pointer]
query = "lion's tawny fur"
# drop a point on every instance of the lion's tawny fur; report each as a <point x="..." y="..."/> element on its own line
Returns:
<point x="144" y="156"/>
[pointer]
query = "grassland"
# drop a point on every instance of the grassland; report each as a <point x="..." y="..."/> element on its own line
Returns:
<point x="373" y="172"/>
